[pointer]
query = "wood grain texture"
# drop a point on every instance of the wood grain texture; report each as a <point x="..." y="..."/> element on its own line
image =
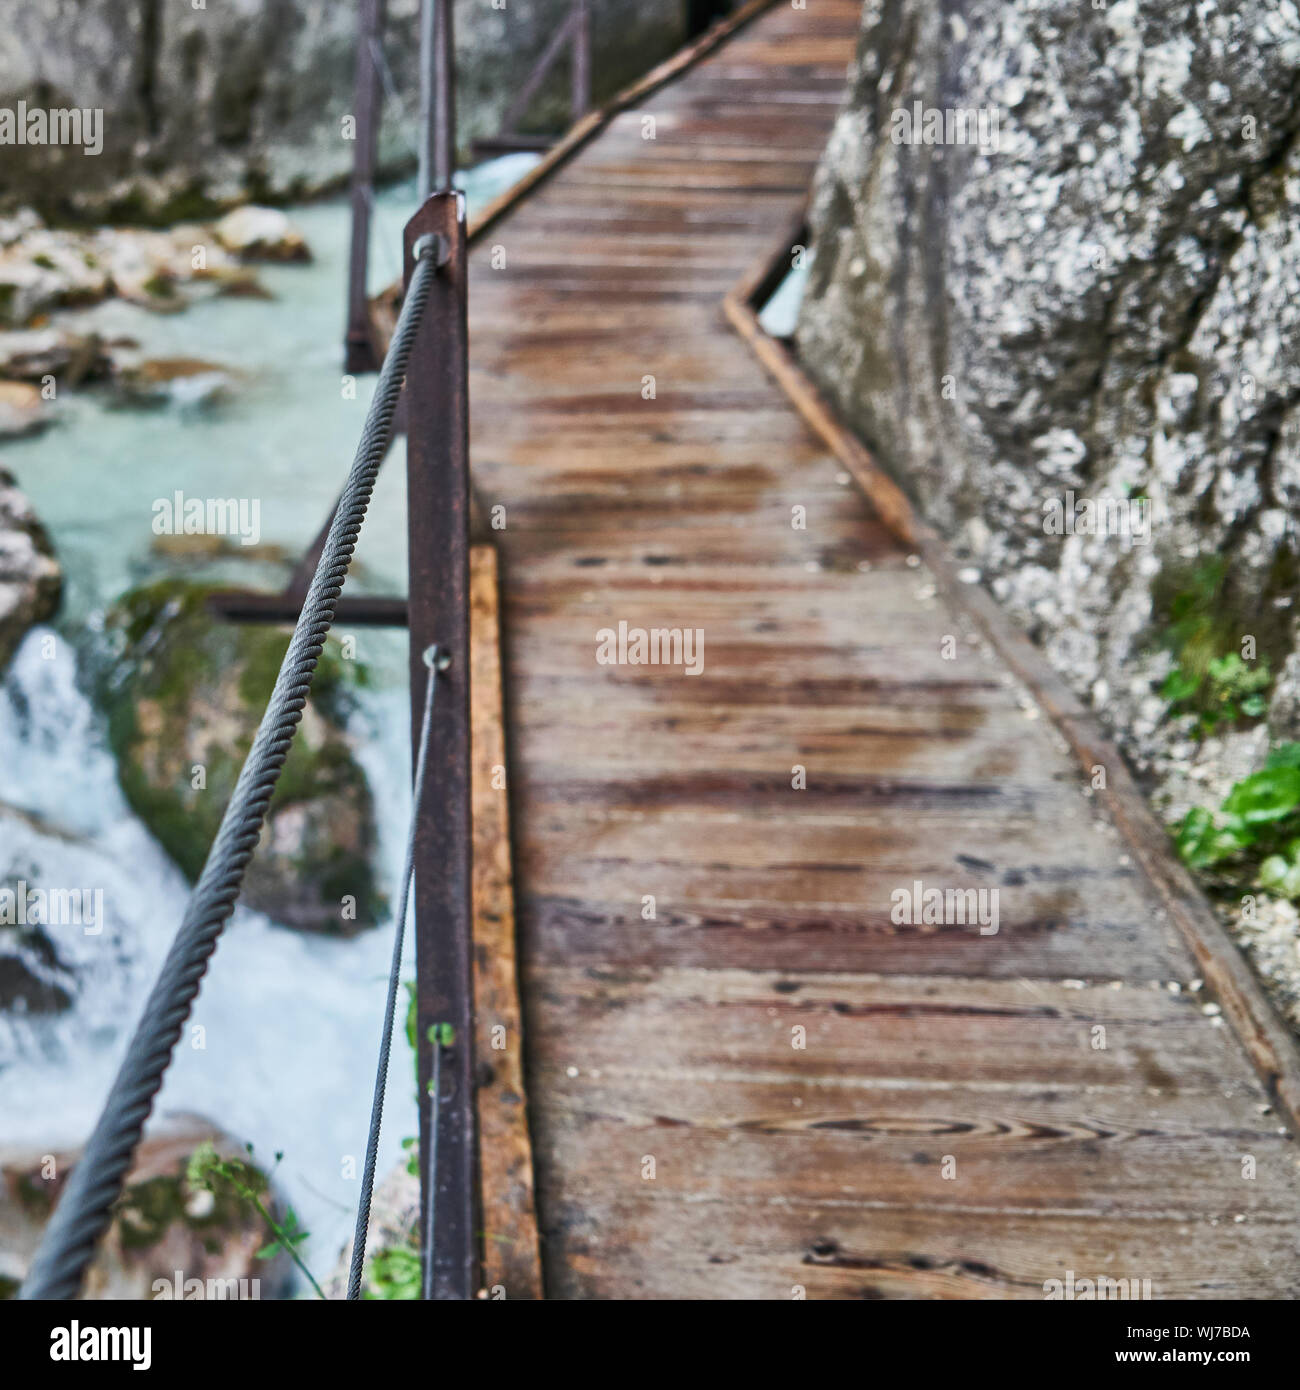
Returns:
<point x="747" y="1079"/>
<point x="511" y="1258"/>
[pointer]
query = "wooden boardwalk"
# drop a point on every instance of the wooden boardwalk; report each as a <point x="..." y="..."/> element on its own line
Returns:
<point x="968" y="1115"/>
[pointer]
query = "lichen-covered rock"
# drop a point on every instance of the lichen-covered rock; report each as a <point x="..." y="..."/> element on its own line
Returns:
<point x="31" y="582"/>
<point x="208" y="105"/>
<point x="166" y="1229"/>
<point x="184" y="693"/>
<point x="1102" y="303"/>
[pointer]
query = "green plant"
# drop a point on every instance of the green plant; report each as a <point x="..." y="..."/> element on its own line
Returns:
<point x="394" y="1274"/>
<point x="207" y="1168"/>
<point x="1259" y="833"/>
<point x="1205" y="615"/>
<point x="1226" y="690"/>
<point x="411" y="1145"/>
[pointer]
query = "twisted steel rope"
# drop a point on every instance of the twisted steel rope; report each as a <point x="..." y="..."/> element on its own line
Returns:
<point x="434" y="661"/>
<point x="84" y="1210"/>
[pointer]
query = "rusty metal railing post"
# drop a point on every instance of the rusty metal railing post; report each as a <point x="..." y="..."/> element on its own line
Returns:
<point x="437" y="96"/>
<point x="359" y="351"/>
<point x="437" y="493"/>
<point x="580" y="71"/>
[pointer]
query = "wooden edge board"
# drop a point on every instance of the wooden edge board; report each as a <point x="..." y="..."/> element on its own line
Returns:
<point x="1268" y="1042"/>
<point x="511" y="1253"/>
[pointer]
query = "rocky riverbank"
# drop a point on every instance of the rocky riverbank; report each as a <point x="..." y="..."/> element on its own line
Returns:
<point x="47" y="275"/>
<point x="1073" y="335"/>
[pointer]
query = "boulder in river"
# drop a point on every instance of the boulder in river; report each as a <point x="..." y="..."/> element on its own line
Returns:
<point x="23" y="410"/>
<point x="48" y="270"/>
<point x="168" y="1231"/>
<point x="45" y="269"/>
<point x="31" y="354"/>
<point x="261" y="234"/>
<point x="33" y="978"/>
<point x="188" y="382"/>
<point x="31" y="582"/>
<point x="184" y="693"/>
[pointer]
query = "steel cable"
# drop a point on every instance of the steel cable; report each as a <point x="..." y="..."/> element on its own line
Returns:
<point x="85" y="1207"/>
<point x="433" y="659"/>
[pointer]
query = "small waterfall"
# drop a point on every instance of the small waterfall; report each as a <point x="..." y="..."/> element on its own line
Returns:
<point x="280" y="1049"/>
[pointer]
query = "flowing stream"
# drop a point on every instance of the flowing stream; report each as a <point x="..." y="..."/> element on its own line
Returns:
<point x="290" y="1022"/>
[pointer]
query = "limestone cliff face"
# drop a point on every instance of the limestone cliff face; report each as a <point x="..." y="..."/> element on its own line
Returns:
<point x="247" y="97"/>
<point x="1101" y="300"/>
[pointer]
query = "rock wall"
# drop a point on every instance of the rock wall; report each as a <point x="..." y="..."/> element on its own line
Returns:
<point x="243" y="98"/>
<point x="1101" y="302"/>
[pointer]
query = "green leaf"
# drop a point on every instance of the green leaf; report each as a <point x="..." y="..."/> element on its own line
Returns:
<point x="1195" y="838"/>
<point x="1225" y="668"/>
<point x="1265" y="796"/>
<point x="1273" y="871"/>
<point x="1284" y="755"/>
<point x="1202" y="843"/>
<point x="1253" y="706"/>
<point x="1179" y="685"/>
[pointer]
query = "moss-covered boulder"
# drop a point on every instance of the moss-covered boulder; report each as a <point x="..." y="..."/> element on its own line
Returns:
<point x="166" y="1223"/>
<point x="184" y="692"/>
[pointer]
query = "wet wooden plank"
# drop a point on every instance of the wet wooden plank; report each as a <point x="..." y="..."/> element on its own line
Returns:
<point x="634" y="1246"/>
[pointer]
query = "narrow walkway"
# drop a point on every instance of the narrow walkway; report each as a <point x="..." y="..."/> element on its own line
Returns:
<point x="970" y="1115"/>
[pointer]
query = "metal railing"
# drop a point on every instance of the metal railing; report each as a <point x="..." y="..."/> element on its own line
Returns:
<point x="436" y="152"/>
<point x="574" y="33"/>
<point x="427" y="362"/>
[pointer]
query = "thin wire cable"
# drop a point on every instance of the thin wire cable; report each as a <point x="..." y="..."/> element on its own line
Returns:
<point x="86" y="1205"/>
<point x="390" y="1009"/>
<point x="393" y="96"/>
<point x="380" y="61"/>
